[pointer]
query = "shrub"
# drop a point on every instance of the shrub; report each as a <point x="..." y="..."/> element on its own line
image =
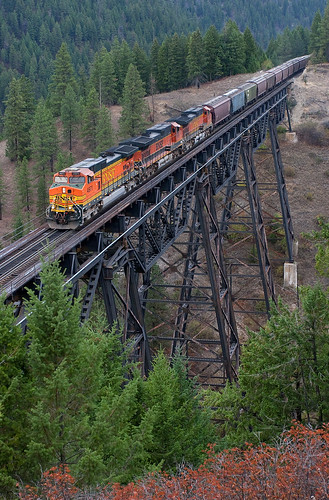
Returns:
<point x="312" y="133"/>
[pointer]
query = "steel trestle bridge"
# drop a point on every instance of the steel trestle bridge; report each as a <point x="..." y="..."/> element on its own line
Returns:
<point x="159" y="259"/>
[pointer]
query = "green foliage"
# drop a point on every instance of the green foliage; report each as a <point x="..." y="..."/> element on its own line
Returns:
<point x="2" y="192"/>
<point x="233" y="49"/>
<point x="180" y="429"/>
<point x="18" y="118"/>
<point x="66" y="373"/>
<point x="252" y="52"/>
<point x="321" y="239"/>
<point x="62" y="77"/>
<point x="132" y="119"/>
<point x="70" y="115"/>
<point x="212" y="53"/>
<point x="151" y="424"/>
<point x="195" y="57"/>
<point x="324" y="36"/>
<point x="284" y="374"/>
<point x="103" y="77"/>
<point x="45" y="146"/>
<point x="44" y="138"/>
<point x="289" y="44"/>
<point x="23" y="183"/>
<point x="89" y="119"/>
<point x="104" y="131"/>
<point x="13" y="399"/>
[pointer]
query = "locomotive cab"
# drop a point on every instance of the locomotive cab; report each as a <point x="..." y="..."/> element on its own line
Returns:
<point x="69" y="195"/>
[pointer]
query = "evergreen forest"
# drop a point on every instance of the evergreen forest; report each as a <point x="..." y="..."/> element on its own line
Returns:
<point x="31" y="31"/>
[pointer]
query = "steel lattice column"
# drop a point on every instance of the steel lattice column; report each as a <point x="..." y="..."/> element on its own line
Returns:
<point x="287" y="221"/>
<point x="186" y="290"/>
<point x="218" y="282"/>
<point x="257" y="221"/>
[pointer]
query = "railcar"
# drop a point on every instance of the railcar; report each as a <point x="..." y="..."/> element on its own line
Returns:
<point x="261" y="83"/>
<point x="219" y="107"/>
<point x="250" y="92"/>
<point x="82" y="190"/>
<point x="237" y="98"/>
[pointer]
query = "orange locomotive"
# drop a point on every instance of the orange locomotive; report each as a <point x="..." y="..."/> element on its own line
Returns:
<point x="82" y="190"/>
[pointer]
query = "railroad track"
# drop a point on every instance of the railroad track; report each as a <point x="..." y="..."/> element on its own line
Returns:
<point x="18" y="260"/>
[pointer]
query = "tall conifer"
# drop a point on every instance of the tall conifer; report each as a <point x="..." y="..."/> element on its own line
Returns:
<point x="63" y="76"/>
<point x="70" y="115"/>
<point x="132" y="119"/>
<point x="89" y="119"/>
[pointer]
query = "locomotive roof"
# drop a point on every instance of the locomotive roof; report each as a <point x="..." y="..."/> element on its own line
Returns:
<point x="161" y="128"/>
<point x="87" y="163"/>
<point x="182" y="119"/>
<point x="142" y="141"/>
<point x="196" y="110"/>
<point x="126" y="150"/>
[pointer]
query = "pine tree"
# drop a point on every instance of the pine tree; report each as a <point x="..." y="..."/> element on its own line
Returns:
<point x="66" y="375"/>
<point x="212" y="53"/>
<point x="70" y="115"/>
<point x="122" y="58"/>
<point x="162" y="75"/>
<point x="233" y="49"/>
<point x="285" y="45"/>
<point x="177" y="62"/>
<point x="62" y="77"/>
<point x="283" y="375"/>
<point x="195" y="58"/>
<point x="132" y="119"/>
<point x="23" y="183"/>
<point x="44" y="137"/>
<point x="324" y="47"/>
<point x="154" y="58"/>
<point x="142" y="63"/>
<point x="315" y="37"/>
<point x="13" y="399"/>
<point x="146" y="425"/>
<point x="103" y="77"/>
<point x="109" y="92"/>
<point x="45" y="146"/>
<point x="17" y="119"/>
<point x="104" y="131"/>
<point x="89" y="119"/>
<point x="251" y="52"/>
<point x="2" y="192"/>
<point x="180" y="428"/>
<point x="64" y="159"/>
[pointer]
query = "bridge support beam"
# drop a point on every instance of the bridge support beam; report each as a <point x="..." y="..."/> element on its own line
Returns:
<point x="220" y="292"/>
<point x="282" y="189"/>
<point x="258" y="222"/>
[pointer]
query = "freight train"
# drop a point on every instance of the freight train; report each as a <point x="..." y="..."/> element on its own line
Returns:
<point x="82" y="190"/>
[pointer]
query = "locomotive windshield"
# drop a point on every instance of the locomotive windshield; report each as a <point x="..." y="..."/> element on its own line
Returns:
<point x="77" y="181"/>
<point x="60" y="179"/>
<point x="74" y="181"/>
